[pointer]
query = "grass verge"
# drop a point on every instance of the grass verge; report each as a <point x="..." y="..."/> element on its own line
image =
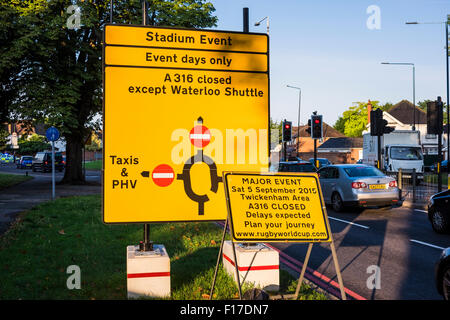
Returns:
<point x="37" y="250"/>
<point x="94" y="165"/>
<point x="8" y="180"/>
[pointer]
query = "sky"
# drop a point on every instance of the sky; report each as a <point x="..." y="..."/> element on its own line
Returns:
<point x="333" y="51"/>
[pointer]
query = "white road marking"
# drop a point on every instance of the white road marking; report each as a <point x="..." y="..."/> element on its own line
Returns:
<point x="349" y="222"/>
<point x="427" y="244"/>
<point x="421" y="210"/>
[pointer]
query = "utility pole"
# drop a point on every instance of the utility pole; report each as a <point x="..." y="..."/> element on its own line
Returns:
<point x="448" y="111"/>
<point x="440" y="109"/>
<point x="147" y="245"/>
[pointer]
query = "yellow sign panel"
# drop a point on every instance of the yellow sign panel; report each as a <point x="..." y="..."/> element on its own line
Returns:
<point x="189" y="59"/>
<point x="185" y="39"/>
<point x="276" y="207"/>
<point x="170" y="133"/>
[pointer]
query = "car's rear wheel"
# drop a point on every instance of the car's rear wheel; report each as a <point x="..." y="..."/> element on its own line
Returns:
<point x="336" y="202"/>
<point x="445" y="283"/>
<point x="439" y="221"/>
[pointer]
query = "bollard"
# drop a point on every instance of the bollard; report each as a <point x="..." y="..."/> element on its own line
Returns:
<point x="399" y="183"/>
<point x="414" y="185"/>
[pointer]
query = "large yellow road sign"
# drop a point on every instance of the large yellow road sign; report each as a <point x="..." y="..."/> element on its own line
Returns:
<point x="187" y="59"/>
<point x="172" y="128"/>
<point x="186" y="39"/>
<point x="276" y="207"/>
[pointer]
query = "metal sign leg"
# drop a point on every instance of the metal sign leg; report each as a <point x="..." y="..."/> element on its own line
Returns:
<point x="237" y="270"/>
<point x="302" y="274"/>
<point x="218" y="260"/>
<point x="338" y="271"/>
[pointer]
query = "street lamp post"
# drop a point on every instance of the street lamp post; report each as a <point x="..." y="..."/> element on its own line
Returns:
<point x="298" y="119"/>
<point x="259" y="22"/>
<point x="446" y="23"/>
<point x="414" y="86"/>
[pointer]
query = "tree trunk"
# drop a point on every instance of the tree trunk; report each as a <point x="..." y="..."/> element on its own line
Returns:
<point x="74" y="159"/>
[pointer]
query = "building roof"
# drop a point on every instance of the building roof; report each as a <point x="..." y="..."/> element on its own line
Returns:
<point x="404" y="112"/>
<point x="328" y="132"/>
<point x="342" y="143"/>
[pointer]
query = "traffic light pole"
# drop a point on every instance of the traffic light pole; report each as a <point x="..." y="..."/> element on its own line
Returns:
<point x="440" y="108"/>
<point x="379" y="151"/>
<point x="439" y="162"/>
<point x="315" y="153"/>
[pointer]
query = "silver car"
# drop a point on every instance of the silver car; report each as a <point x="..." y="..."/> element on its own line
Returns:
<point x="357" y="185"/>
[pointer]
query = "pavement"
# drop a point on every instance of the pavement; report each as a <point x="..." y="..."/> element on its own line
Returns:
<point x="26" y="195"/>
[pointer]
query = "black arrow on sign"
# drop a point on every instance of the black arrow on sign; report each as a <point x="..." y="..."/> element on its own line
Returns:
<point x="145" y="174"/>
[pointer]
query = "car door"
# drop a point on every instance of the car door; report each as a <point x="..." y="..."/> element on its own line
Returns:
<point x="333" y="181"/>
<point x="324" y="179"/>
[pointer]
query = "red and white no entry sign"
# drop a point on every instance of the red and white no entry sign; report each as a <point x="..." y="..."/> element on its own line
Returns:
<point x="200" y="136"/>
<point x="163" y="175"/>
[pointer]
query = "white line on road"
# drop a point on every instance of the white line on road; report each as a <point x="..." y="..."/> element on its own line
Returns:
<point x="421" y="210"/>
<point x="427" y="244"/>
<point x="349" y="222"/>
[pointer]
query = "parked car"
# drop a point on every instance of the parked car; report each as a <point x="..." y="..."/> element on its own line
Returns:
<point x="442" y="274"/>
<point x="322" y="162"/>
<point x="6" y="158"/>
<point x="357" y="185"/>
<point x="24" y="162"/>
<point x="296" y="166"/>
<point x="42" y="161"/>
<point x="444" y="165"/>
<point x="439" y="211"/>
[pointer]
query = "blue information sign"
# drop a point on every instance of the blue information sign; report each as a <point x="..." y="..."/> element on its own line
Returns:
<point x="52" y="134"/>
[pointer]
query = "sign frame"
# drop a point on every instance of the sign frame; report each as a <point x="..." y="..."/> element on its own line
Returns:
<point x="104" y="65"/>
<point x="308" y="252"/>
<point x="280" y="174"/>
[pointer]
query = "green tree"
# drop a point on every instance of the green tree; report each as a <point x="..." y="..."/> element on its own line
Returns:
<point x="32" y="145"/>
<point x="339" y="125"/>
<point x="354" y="120"/>
<point x="3" y="138"/>
<point x="57" y="76"/>
<point x="423" y="105"/>
<point x="275" y="125"/>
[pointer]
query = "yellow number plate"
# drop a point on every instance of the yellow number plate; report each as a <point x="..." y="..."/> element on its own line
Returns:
<point x="377" y="186"/>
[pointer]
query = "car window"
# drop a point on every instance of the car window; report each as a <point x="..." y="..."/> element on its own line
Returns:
<point x="406" y="153"/>
<point x="334" y="173"/>
<point x="363" y="171"/>
<point x="40" y="156"/>
<point x="58" y="156"/>
<point x="306" y="167"/>
<point x="325" y="173"/>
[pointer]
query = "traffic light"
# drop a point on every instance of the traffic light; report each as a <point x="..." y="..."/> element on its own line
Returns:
<point x="308" y="127"/>
<point x="316" y="129"/>
<point x="375" y="117"/>
<point x="435" y="116"/>
<point x="384" y="128"/>
<point x="378" y="126"/>
<point x="287" y="131"/>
